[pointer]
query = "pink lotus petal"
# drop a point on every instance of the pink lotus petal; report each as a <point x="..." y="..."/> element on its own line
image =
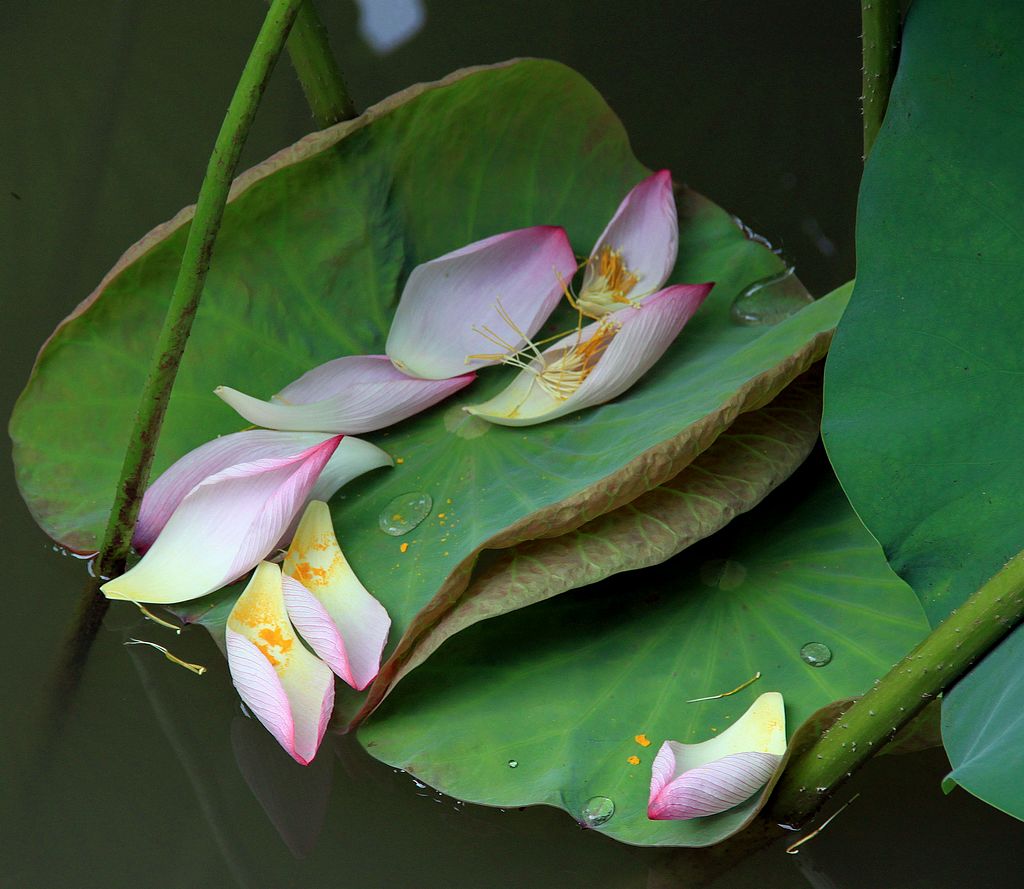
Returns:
<point x="288" y="689"/>
<point x="336" y="615"/>
<point x="695" y="780"/>
<point x="352" y="458"/>
<point x="223" y="527"/>
<point x="358" y="393"/>
<point x="644" y="333"/>
<point x="432" y="334"/>
<point x="710" y="789"/>
<point x="645" y="232"/>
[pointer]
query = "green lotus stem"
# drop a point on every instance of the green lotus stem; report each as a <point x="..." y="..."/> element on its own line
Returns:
<point x="880" y="41"/>
<point x="188" y="288"/>
<point x="945" y="655"/>
<point x="319" y="74"/>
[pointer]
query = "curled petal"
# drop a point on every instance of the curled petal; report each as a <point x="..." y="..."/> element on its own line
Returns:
<point x="508" y="284"/>
<point x="358" y="393"/>
<point x="341" y="621"/>
<point x="619" y="358"/>
<point x="223" y="527"/>
<point x="694" y="780"/>
<point x="290" y="690"/>
<point x="352" y="458"/>
<point x="641" y="240"/>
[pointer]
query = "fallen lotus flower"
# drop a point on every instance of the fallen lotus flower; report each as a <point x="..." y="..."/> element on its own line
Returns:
<point x="448" y="301"/>
<point x="694" y="780"/>
<point x="636" y="252"/>
<point x="332" y="610"/>
<point x="223" y="527"/>
<point x="352" y="458"/>
<point x="289" y="689"/>
<point x="593" y="365"/>
<point x="358" y="393"/>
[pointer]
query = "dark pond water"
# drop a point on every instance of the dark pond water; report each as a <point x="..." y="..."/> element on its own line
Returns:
<point x="109" y="111"/>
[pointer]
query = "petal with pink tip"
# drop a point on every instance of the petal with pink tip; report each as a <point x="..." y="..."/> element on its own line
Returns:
<point x="223" y="527"/>
<point x="290" y="690"/>
<point x="644" y="235"/>
<point x="358" y="393"/>
<point x="507" y="284"/>
<point x="352" y="458"/>
<point x="625" y="348"/>
<point x="695" y="780"/>
<point x="336" y="615"/>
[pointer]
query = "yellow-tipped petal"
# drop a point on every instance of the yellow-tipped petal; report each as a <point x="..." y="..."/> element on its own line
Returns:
<point x="337" y="616"/>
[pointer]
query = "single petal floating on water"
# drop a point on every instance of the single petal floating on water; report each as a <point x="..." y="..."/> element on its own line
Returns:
<point x="694" y="780"/>
<point x="224" y="527"/>
<point x="352" y="458"/>
<point x="289" y="689"/>
<point x="595" y="364"/>
<point x="341" y="621"/>
<point x="357" y="393"/>
<point x="507" y="284"/>
<point x="636" y="252"/>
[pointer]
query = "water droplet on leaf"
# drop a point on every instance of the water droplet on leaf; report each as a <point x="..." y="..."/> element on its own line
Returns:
<point x="597" y="810"/>
<point x="770" y="300"/>
<point x="513" y="763"/>
<point x="817" y="654"/>
<point x="404" y="513"/>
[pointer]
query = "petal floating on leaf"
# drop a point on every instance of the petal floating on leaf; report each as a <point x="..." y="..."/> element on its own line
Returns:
<point x="694" y="780"/>
<point x="597" y="364"/>
<point x="223" y="527"/>
<point x="352" y="458"/>
<point x="508" y="284"/>
<point x="357" y="393"/>
<point x="290" y="690"/>
<point x="341" y="621"/>
<point x="637" y="250"/>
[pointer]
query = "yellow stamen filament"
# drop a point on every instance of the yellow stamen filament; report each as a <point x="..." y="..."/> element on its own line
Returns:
<point x="198" y="669"/>
<point x="726" y="694"/>
<point x="794" y="849"/>
<point x="559" y="377"/>
<point x="157" y="620"/>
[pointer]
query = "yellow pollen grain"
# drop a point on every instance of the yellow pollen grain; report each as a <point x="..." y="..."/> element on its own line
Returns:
<point x="399" y="459"/>
<point x="642" y="740"/>
<point x="404" y="547"/>
<point x="634" y="760"/>
<point x="441" y="515"/>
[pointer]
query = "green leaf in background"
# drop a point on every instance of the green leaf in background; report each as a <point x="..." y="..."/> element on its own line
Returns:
<point x="311" y="258"/>
<point x="983" y="728"/>
<point x="924" y="382"/>
<point x="544" y="705"/>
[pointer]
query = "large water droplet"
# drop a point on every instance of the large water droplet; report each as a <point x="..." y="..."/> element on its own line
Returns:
<point x="723" y="574"/>
<point x="770" y="300"/>
<point x="817" y="654"/>
<point x="404" y="513"/>
<point x="597" y="810"/>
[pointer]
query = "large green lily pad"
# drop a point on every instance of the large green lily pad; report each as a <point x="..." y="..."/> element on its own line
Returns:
<point x="311" y="258"/>
<point x="544" y="705"/>
<point x="923" y="384"/>
<point x="745" y="463"/>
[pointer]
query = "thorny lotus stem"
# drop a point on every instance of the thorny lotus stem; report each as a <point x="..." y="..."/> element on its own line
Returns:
<point x="945" y="655"/>
<point x="318" y="72"/>
<point x="880" y="41"/>
<point x="188" y="288"/>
